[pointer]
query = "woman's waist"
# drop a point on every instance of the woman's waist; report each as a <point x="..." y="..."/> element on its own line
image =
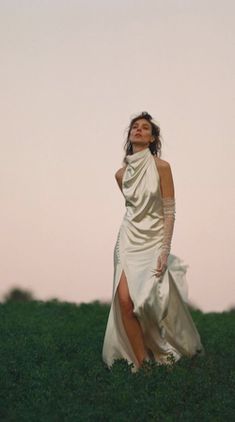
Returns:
<point x="144" y="220"/>
<point x="144" y="228"/>
<point x="134" y="238"/>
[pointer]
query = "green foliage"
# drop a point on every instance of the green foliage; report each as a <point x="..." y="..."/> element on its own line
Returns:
<point x="51" y="369"/>
<point x="18" y="294"/>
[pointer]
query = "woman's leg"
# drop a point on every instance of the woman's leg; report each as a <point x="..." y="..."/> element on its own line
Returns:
<point x="130" y="322"/>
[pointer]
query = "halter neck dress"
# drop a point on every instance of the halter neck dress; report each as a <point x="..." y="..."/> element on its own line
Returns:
<point x="159" y="303"/>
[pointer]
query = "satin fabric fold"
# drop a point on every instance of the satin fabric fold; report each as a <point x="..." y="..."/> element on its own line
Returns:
<point x="160" y="303"/>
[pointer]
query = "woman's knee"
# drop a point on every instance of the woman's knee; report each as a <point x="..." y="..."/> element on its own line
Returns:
<point x="126" y="306"/>
<point x="125" y="301"/>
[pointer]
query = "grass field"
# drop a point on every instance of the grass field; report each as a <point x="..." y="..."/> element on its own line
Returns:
<point x="51" y="369"/>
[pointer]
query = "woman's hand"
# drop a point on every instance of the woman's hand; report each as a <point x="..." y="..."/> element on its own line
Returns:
<point x="161" y="264"/>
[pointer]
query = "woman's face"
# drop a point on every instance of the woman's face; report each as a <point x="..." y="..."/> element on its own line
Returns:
<point x="141" y="132"/>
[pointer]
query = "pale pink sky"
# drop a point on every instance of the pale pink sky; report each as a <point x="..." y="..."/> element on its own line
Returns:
<point x="72" y="74"/>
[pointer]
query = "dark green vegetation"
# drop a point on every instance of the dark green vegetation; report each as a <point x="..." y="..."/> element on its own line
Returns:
<point x="51" y="370"/>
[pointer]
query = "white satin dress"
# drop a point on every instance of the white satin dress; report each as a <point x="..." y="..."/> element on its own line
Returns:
<point x="160" y="303"/>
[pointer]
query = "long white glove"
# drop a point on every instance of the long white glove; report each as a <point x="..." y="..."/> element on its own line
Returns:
<point x="169" y="220"/>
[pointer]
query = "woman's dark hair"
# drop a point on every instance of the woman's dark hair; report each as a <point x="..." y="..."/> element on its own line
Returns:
<point x="155" y="146"/>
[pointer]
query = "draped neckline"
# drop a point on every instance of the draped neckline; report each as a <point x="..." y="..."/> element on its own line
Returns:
<point x="138" y="155"/>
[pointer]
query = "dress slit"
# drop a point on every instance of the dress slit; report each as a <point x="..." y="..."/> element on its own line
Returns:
<point x="123" y="272"/>
<point x="116" y="314"/>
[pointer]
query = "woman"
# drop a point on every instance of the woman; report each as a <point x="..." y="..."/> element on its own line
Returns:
<point x="149" y="317"/>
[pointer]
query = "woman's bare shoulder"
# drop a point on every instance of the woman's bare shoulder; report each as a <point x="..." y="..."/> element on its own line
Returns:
<point x="166" y="179"/>
<point x="161" y="163"/>
<point x="119" y="173"/>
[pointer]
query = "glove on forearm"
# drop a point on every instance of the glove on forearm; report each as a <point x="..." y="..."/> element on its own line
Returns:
<point x="169" y="220"/>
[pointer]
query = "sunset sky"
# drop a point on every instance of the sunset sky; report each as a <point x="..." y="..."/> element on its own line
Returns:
<point x="72" y="75"/>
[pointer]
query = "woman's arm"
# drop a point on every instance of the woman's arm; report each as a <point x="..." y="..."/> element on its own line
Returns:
<point x="119" y="175"/>
<point x="168" y="201"/>
<point x="166" y="180"/>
